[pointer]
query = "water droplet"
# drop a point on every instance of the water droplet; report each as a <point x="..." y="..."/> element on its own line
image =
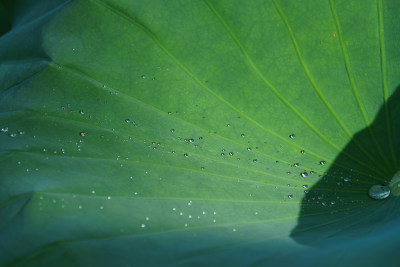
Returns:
<point x="202" y="168"/>
<point x="4" y="129"/>
<point x="143" y="76"/>
<point x="322" y="162"/>
<point x="249" y="149"/>
<point x="186" y="155"/>
<point x="191" y="140"/>
<point x="13" y="135"/>
<point x="305" y="186"/>
<point x="83" y="134"/>
<point x="81" y="112"/>
<point x="292" y="136"/>
<point x="127" y="120"/>
<point x="304" y="174"/>
<point x="296" y="165"/>
<point x="255" y="160"/>
<point x="143" y="225"/>
<point x="323" y="204"/>
<point x="242" y="135"/>
<point x="302" y="152"/>
<point x="290" y="196"/>
<point x="223" y="154"/>
<point x="172" y="130"/>
<point x="379" y="191"/>
<point x="346" y="179"/>
<point x="230" y="153"/>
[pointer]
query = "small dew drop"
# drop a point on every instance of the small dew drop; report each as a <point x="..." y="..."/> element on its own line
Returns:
<point x="322" y="162"/>
<point x="82" y="133"/>
<point x="255" y="160"/>
<point x="127" y="120"/>
<point x="305" y="186"/>
<point x="292" y="136"/>
<point x="230" y="153"/>
<point x="302" y="152"/>
<point x="304" y="174"/>
<point x="186" y="155"/>
<point x="290" y="196"/>
<point x="172" y="130"/>
<point x="143" y="225"/>
<point x="242" y="135"/>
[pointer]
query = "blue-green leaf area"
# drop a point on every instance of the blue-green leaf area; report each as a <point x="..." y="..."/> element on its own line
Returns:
<point x="218" y="132"/>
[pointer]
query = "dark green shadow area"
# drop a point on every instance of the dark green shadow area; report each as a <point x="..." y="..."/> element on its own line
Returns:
<point x="338" y="206"/>
<point x="5" y="21"/>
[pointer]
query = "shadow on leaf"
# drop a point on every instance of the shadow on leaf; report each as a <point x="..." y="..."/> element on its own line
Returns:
<point x="339" y="205"/>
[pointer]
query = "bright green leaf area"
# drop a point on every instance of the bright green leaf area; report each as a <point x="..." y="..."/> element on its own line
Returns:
<point x="156" y="132"/>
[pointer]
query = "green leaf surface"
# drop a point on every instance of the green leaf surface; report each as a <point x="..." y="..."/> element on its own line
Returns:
<point x="198" y="132"/>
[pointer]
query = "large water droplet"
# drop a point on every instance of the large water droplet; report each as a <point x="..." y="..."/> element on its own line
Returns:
<point x="379" y="191"/>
